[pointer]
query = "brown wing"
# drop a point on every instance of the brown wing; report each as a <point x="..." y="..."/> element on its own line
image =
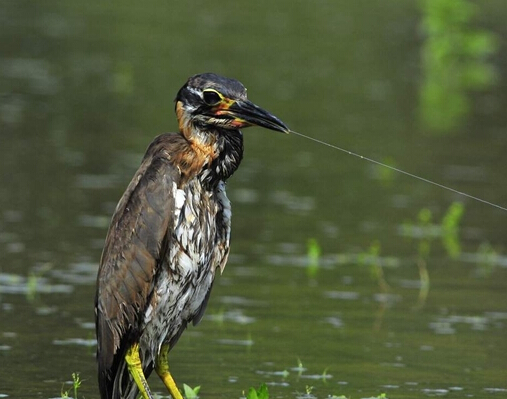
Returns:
<point x="136" y="241"/>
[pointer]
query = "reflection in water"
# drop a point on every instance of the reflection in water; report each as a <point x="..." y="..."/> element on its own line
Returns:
<point x="455" y="61"/>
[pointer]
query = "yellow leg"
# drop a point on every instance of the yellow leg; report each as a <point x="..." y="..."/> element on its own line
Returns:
<point x="162" y="369"/>
<point x="136" y="371"/>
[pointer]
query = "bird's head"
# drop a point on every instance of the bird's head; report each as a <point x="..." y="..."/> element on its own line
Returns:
<point x="210" y="102"/>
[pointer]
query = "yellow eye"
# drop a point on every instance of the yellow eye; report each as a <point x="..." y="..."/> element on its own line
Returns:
<point x="211" y="97"/>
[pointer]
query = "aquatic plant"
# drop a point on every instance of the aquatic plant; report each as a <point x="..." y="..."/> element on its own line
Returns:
<point x="261" y="393"/>
<point x="371" y="258"/>
<point x="450" y="229"/>
<point x="487" y="259"/>
<point x="313" y="254"/>
<point x="76" y="384"/>
<point x="191" y="393"/>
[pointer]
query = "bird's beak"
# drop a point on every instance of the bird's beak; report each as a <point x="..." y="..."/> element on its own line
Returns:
<point x="245" y="113"/>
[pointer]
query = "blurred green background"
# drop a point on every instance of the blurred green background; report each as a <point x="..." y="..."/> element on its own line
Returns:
<point x="376" y="282"/>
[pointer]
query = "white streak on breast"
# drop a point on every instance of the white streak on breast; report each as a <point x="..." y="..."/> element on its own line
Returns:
<point x="186" y="264"/>
<point x="199" y="246"/>
<point x="179" y="200"/>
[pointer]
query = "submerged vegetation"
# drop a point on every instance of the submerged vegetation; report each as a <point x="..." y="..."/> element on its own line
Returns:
<point x="425" y="232"/>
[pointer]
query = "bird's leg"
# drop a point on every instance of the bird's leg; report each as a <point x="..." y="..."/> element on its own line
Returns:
<point x="162" y="369"/>
<point x="136" y="370"/>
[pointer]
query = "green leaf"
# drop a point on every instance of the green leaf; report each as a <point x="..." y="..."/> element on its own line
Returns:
<point x="252" y="394"/>
<point x="313" y="254"/>
<point x="190" y="393"/>
<point x="261" y="393"/>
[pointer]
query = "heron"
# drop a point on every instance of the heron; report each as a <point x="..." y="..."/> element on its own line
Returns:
<point x="169" y="235"/>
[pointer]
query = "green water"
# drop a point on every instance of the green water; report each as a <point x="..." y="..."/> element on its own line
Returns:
<point x="85" y="86"/>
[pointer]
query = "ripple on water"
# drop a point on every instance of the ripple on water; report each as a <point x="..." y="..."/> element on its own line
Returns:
<point x="447" y="324"/>
<point x="16" y="284"/>
<point x="75" y="341"/>
<point x="235" y="316"/>
<point x="435" y="392"/>
<point x="78" y="273"/>
<point x="241" y="301"/>
<point x="238" y="342"/>
<point x="335" y="321"/>
<point x="316" y="376"/>
<point x="496" y="390"/>
<point x="390" y="386"/>
<point x="345" y="295"/>
<point x="278" y="373"/>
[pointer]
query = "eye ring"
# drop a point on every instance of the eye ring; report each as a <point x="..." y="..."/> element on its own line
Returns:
<point x="211" y="97"/>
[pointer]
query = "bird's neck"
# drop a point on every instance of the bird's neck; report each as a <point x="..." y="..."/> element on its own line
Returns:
<point x="226" y="157"/>
<point x="218" y="150"/>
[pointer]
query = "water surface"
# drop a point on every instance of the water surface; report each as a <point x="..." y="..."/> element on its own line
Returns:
<point x="85" y="87"/>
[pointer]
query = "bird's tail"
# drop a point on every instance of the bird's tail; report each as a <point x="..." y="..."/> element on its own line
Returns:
<point x="117" y="383"/>
<point x="124" y="386"/>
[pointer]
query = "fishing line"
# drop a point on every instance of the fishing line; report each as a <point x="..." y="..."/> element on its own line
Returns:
<point x="400" y="171"/>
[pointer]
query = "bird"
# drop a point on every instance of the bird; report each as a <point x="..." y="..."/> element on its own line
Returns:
<point x="169" y="235"/>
